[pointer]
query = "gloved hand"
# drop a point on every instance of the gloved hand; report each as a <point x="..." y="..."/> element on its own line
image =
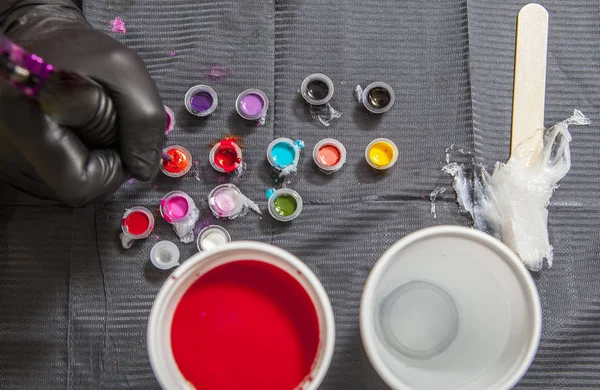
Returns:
<point x="49" y="161"/>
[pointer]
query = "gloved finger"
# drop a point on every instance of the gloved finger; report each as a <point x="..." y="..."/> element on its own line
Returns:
<point x="63" y="163"/>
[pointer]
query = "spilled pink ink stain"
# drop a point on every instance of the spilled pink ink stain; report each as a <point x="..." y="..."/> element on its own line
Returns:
<point x="217" y="73"/>
<point x="118" y="25"/>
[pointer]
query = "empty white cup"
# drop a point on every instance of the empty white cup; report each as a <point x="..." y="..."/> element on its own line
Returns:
<point x="450" y="308"/>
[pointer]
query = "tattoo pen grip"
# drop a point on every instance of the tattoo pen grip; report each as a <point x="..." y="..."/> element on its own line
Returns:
<point x="68" y="98"/>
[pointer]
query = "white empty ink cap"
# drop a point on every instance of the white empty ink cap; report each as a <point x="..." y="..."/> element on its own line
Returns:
<point x="211" y="237"/>
<point x="164" y="255"/>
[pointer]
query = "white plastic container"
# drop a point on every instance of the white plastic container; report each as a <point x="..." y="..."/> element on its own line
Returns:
<point x="450" y="308"/>
<point x="373" y="103"/>
<point x="159" y="324"/>
<point x="208" y="93"/>
<point x="226" y="201"/>
<point x="170" y="120"/>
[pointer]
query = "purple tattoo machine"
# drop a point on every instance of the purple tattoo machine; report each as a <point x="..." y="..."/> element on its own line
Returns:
<point x="68" y="98"/>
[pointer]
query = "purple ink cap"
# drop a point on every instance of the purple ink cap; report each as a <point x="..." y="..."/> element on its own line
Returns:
<point x="201" y="100"/>
<point x="252" y="104"/>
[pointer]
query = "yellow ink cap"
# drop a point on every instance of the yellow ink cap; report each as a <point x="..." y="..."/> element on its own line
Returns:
<point x="381" y="153"/>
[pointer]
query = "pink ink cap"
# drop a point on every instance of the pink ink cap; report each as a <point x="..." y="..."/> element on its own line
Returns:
<point x="170" y="120"/>
<point x="226" y="201"/>
<point x="176" y="206"/>
<point x="252" y="104"/>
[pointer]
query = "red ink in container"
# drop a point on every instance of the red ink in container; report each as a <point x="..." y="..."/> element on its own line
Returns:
<point x="226" y="156"/>
<point x="245" y="325"/>
<point x="178" y="162"/>
<point x="137" y="223"/>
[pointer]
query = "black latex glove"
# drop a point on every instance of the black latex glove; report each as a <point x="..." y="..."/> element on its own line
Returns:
<point x="49" y="161"/>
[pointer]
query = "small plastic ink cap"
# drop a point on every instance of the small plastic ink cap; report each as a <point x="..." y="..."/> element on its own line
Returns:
<point x="180" y="168"/>
<point x="325" y="166"/>
<point x="317" y="89"/>
<point x="201" y="100"/>
<point x="215" y="149"/>
<point x="378" y="148"/>
<point x="170" y="120"/>
<point x="226" y="201"/>
<point x="291" y="144"/>
<point x="164" y="255"/>
<point x="378" y="97"/>
<point x="211" y="237"/>
<point x="283" y="212"/>
<point x="247" y="103"/>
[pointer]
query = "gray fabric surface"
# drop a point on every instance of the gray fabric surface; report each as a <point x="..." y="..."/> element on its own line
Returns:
<point x="71" y="297"/>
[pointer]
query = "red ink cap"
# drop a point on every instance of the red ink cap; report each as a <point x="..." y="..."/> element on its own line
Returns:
<point x="137" y="222"/>
<point x="226" y="156"/>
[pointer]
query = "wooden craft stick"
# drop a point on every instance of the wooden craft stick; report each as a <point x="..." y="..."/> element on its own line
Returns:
<point x="530" y="78"/>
